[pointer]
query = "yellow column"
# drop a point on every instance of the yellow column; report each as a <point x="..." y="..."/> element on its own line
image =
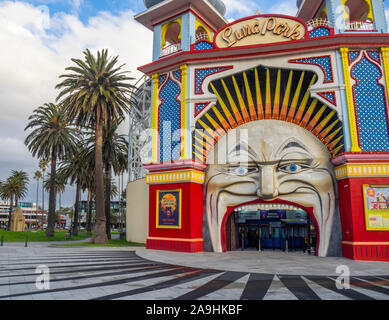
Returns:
<point x="154" y="144"/>
<point x="350" y="102"/>
<point x="184" y="117"/>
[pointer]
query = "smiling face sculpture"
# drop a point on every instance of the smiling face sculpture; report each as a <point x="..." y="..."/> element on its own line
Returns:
<point x="270" y="160"/>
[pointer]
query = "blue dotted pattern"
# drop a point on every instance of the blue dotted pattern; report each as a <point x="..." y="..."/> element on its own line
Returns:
<point x="323" y="62"/>
<point x="203" y="45"/>
<point x="329" y="96"/>
<point x="200" y="107"/>
<point x="375" y="55"/>
<point x="353" y="55"/>
<point x="370" y="106"/>
<point x="201" y="74"/>
<point x="319" y="32"/>
<point x="169" y="121"/>
<point x="177" y="75"/>
<point x="162" y="79"/>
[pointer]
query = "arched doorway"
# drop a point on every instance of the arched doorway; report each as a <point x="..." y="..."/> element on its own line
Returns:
<point x="271" y="227"/>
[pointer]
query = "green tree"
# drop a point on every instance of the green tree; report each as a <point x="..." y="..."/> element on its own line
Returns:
<point x="96" y="92"/>
<point x="14" y="188"/>
<point x="60" y="186"/>
<point x="22" y="180"/>
<point x="77" y="170"/>
<point x="54" y="138"/>
<point x="115" y="158"/>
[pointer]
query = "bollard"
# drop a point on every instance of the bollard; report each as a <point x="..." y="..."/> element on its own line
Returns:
<point x="26" y="242"/>
<point x="2" y="240"/>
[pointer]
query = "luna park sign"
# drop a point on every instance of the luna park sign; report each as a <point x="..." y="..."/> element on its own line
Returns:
<point x="260" y="30"/>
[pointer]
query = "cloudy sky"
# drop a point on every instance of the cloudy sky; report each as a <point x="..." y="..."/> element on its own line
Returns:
<point x="39" y="37"/>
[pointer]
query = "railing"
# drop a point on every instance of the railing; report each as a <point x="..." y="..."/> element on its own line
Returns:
<point x="202" y="37"/>
<point x="171" y="49"/>
<point x="360" y="26"/>
<point x="312" y="24"/>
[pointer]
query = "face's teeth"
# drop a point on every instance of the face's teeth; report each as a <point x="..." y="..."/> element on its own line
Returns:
<point x="266" y="207"/>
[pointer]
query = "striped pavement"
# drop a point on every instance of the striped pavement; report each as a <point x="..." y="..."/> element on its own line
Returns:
<point x="122" y="275"/>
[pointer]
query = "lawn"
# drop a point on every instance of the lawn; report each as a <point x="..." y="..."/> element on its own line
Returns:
<point x="38" y="236"/>
<point x="112" y="243"/>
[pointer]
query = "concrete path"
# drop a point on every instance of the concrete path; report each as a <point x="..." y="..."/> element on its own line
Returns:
<point x="267" y="262"/>
<point x="84" y="273"/>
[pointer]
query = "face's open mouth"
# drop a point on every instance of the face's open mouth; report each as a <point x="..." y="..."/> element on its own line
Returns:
<point x="261" y="205"/>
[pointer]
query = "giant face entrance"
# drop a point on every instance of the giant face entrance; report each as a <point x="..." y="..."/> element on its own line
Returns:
<point x="271" y="227"/>
<point x="266" y="139"/>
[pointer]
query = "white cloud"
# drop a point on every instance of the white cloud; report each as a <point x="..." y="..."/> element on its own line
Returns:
<point x="240" y="8"/>
<point x="33" y="56"/>
<point x="76" y="4"/>
<point x="286" y="7"/>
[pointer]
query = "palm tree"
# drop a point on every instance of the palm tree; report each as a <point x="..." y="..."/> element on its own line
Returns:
<point x="14" y="188"/>
<point x="37" y="177"/>
<point x="43" y="166"/>
<point x="60" y="185"/>
<point x="53" y="138"/>
<point x="115" y="156"/>
<point x="7" y="193"/>
<point x="96" y="91"/>
<point x="22" y="180"/>
<point x="77" y="170"/>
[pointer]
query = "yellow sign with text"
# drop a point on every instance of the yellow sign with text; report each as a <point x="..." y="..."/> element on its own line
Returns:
<point x="260" y="30"/>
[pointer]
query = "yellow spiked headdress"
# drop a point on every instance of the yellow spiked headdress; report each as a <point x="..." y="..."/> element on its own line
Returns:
<point x="266" y="93"/>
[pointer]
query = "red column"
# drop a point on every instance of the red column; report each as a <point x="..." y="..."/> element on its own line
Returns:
<point x="359" y="243"/>
<point x="186" y="184"/>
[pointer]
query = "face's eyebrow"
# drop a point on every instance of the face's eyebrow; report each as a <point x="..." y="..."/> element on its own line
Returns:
<point x="293" y="144"/>
<point x="243" y="147"/>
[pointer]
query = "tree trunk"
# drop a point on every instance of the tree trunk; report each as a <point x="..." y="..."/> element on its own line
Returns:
<point x="43" y="199"/>
<point x="10" y="213"/>
<point x="89" y="213"/>
<point x="108" y="176"/>
<point x="52" y="197"/>
<point x="76" y="211"/>
<point x="100" y="235"/>
<point x="37" y="199"/>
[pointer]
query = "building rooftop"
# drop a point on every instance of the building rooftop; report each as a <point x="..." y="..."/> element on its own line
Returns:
<point x="217" y="4"/>
<point x="158" y="11"/>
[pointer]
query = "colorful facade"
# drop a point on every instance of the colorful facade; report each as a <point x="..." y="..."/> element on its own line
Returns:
<point x="271" y="117"/>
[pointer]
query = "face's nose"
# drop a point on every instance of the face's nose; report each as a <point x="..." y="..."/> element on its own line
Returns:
<point x="268" y="187"/>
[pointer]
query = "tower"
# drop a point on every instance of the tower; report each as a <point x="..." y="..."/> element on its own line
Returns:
<point x="363" y="69"/>
<point x="177" y="25"/>
<point x="175" y="180"/>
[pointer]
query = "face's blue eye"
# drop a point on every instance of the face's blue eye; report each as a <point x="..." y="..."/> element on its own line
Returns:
<point x="241" y="171"/>
<point x="291" y="168"/>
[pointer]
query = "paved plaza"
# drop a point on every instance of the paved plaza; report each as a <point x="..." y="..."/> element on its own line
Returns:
<point x="85" y="273"/>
